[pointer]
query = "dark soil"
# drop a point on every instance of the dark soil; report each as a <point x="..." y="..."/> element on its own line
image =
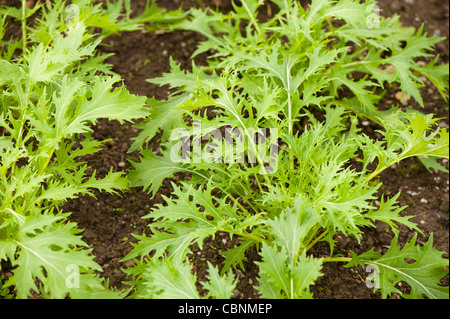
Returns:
<point x="110" y="220"/>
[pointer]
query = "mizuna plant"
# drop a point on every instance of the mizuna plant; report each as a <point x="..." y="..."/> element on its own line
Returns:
<point x="54" y="85"/>
<point x="268" y="136"/>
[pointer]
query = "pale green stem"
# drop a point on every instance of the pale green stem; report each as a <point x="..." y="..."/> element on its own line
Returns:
<point x="318" y="238"/>
<point x="237" y="202"/>
<point x="337" y="259"/>
<point x="254" y="22"/>
<point x="378" y="171"/>
<point x="24" y="26"/>
<point x="47" y="162"/>
<point x="291" y="129"/>
<point x="258" y="158"/>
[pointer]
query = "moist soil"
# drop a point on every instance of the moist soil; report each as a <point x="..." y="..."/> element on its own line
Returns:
<point x="109" y="220"/>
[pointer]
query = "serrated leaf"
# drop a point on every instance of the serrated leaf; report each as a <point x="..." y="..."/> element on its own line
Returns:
<point x="280" y="279"/>
<point x="43" y="243"/>
<point x="365" y="97"/>
<point x="403" y="62"/>
<point x="406" y="135"/>
<point x="45" y="63"/>
<point x="176" y="78"/>
<point x="415" y="140"/>
<point x="177" y="245"/>
<point x="194" y="215"/>
<point x="274" y="277"/>
<point x="437" y="74"/>
<point x="291" y="228"/>
<point x="105" y="102"/>
<point x="200" y="21"/>
<point x="236" y="256"/>
<point x="219" y="286"/>
<point x="389" y="212"/>
<point x="18" y="13"/>
<point x="432" y="163"/>
<point x="163" y="116"/>
<point x="94" y="287"/>
<point x="166" y="279"/>
<point x="342" y="206"/>
<point x="420" y="267"/>
<point x="111" y="183"/>
<point x="152" y="170"/>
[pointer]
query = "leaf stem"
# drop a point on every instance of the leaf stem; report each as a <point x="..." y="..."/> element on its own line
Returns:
<point x="237" y="202"/>
<point x="226" y="192"/>
<point x="290" y="129"/>
<point x="24" y="26"/>
<point x="258" y="158"/>
<point x="318" y="238"/>
<point x="379" y="170"/>
<point x="47" y="161"/>
<point x="252" y="18"/>
<point x="337" y="259"/>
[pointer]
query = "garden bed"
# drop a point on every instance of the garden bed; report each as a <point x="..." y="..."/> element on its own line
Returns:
<point x="109" y="220"/>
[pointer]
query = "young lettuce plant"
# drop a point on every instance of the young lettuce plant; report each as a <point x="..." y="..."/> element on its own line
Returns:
<point x="270" y="143"/>
<point x="50" y="95"/>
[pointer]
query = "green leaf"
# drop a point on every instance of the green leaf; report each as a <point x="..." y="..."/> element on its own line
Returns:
<point x="200" y="21"/>
<point x="249" y="9"/>
<point x="280" y="279"/>
<point x="111" y="183"/>
<point x="432" y="163"/>
<point x="437" y="74"/>
<point x="165" y="116"/>
<point x="236" y="256"/>
<point x="366" y="98"/>
<point x="420" y="267"/>
<point x="406" y="135"/>
<point x="166" y="279"/>
<point x="176" y="78"/>
<point x="17" y="13"/>
<point x="45" y="63"/>
<point x="219" y="286"/>
<point x="188" y="219"/>
<point x="105" y="102"/>
<point x="177" y="245"/>
<point x="353" y="12"/>
<point x="93" y="287"/>
<point x="291" y="228"/>
<point x="152" y="170"/>
<point x="340" y="196"/>
<point x="43" y="248"/>
<point x="420" y="143"/>
<point x="389" y="213"/>
<point x="274" y="276"/>
<point x="403" y="63"/>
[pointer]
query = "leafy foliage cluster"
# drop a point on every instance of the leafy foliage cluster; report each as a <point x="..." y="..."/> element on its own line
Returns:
<point x="308" y="75"/>
<point x="54" y="86"/>
<point x="311" y="74"/>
